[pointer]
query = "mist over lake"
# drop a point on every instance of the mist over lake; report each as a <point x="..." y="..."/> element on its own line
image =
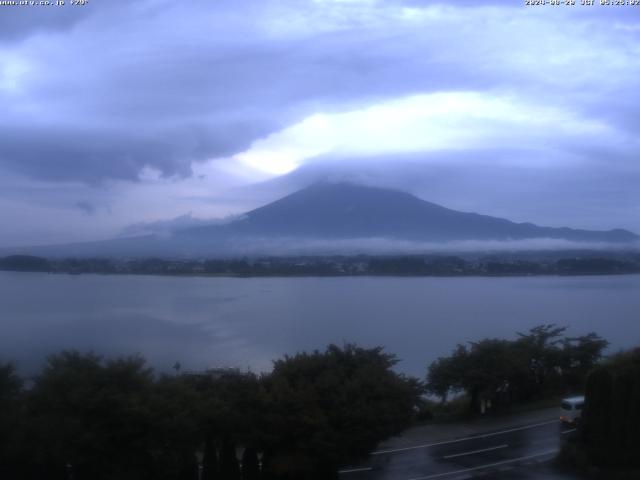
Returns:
<point x="248" y="322"/>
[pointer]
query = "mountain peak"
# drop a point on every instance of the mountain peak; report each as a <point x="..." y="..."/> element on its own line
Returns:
<point x="329" y="186"/>
<point x="336" y="211"/>
<point x="347" y="210"/>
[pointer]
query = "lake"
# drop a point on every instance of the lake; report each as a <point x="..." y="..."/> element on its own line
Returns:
<point x="248" y="322"/>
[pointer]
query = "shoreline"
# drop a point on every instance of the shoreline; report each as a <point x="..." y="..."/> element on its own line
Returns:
<point x="366" y="275"/>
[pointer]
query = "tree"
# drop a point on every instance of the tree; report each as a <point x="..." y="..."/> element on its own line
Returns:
<point x="492" y="369"/>
<point x="250" y="465"/>
<point x="93" y="416"/>
<point x="230" y="407"/>
<point x="229" y="467"/>
<point x="541" y="348"/>
<point x="579" y="356"/>
<point x="442" y="378"/>
<point x="446" y="375"/>
<point x="326" y="408"/>
<point x="488" y="371"/>
<point x="611" y="421"/>
<point x="506" y="371"/>
<point x="11" y="421"/>
<point x="177" y="431"/>
<point x="595" y="417"/>
<point x="210" y="470"/>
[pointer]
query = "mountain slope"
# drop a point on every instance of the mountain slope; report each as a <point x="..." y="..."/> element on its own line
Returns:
<point x="320" y="218"/>
<point x="347" y="211"/>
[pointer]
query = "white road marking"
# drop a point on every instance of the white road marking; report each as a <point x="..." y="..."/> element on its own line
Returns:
<point x="484" y="435"/>
<point x="489" y="465"/>
<point x="476" y="451"/>
<point x="569" y="431"/>
<point x="354" y="470"/>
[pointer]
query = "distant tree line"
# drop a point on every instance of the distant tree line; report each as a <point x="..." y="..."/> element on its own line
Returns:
<point x="497" y="372"/>
<point x="84" y="417"/>
<point x="399" y="265"/>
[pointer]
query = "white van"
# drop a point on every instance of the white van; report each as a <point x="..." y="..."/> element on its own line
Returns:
<point x="571" y="409"/>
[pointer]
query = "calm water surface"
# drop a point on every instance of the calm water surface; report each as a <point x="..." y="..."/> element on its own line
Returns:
<point x="247" y="323"/>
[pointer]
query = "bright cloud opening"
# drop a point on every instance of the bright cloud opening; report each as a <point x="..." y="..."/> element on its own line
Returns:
<point x="420" y="123"/>
<point x="12" y="70"/>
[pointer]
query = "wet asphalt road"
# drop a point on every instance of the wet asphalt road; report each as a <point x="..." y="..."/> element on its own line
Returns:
<point x="517" y="452"/>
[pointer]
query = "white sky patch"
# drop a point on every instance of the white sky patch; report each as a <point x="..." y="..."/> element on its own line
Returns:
<point x="627" y="27"/>
<point x="12" y="70"/>
<point x="421" y="123"/>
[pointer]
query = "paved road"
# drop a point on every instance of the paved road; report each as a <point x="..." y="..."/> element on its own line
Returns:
<point x="503" y="452"/>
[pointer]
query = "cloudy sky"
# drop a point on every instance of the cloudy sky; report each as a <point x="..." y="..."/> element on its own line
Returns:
<point x="122" y="113"/>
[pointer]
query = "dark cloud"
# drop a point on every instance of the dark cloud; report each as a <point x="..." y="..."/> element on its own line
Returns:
<point x="19" y="22"/>
<point x="87" y="208"/>
<point x="78" y="152"/>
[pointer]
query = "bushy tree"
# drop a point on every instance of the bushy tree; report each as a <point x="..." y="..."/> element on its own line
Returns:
<point x="506" y="371"/>
<point x="229" y="466"/>
<point x="328" y="407"/>
<point x="231" y="409"/>
<point x="250" y="464"/>
<point x="595" y="417"/>
<point x="611" y="419"/>
<point x="579" y="356"/>
<point x="92" y="417"/>
<point x="89" y="418"/>
<point x="493" y="369"/>
<point x="10" y="421"/>
<point x="177" y="428"/>
<point x="210" y="464"/>
<point x="445" y="374"/>
<point x="540" y="346"/>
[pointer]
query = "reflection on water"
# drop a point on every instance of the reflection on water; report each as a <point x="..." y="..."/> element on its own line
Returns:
<point x="249" y="322"/>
